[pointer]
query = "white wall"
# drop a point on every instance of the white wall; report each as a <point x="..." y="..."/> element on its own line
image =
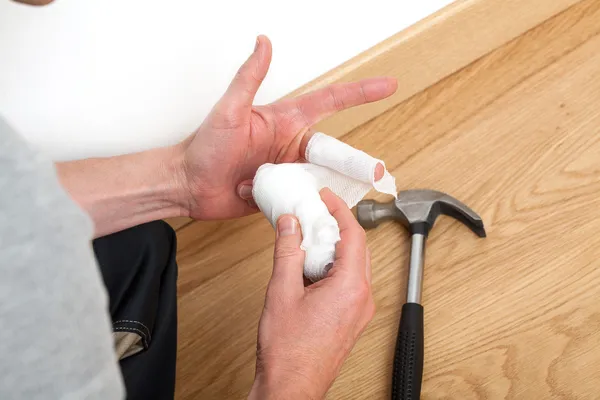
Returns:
<point x="100" y="77"/>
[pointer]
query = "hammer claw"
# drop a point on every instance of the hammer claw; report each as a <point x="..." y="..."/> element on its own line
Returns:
<point x="456" y="209"/>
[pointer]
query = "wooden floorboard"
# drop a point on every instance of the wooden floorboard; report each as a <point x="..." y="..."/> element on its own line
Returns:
<point x="516" y="135"/>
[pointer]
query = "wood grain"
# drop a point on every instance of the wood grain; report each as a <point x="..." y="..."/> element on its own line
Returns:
<point x="515" y="135"/>
<point x="432" y="49"/>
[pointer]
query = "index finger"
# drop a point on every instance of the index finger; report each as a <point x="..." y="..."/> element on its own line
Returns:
<point x="350" y="251"/>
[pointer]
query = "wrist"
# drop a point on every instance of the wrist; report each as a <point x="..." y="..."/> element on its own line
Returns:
<point x="176" y="185"/>
<point x="123" y="191"/>
<point x="276" y="384"/>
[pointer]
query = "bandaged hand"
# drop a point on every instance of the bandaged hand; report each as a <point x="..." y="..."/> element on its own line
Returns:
<point x="306" y="333"/>
<point x="293" y="188"/>
<point x="220" y="159"/>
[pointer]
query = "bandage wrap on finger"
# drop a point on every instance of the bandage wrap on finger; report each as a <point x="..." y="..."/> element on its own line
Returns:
<point x="294" y="189"/>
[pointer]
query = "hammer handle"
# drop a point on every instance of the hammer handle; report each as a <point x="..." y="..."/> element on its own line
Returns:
<point x="408" y="359"/>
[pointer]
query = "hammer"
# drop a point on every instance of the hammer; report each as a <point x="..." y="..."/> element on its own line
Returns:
<point x="417" y="210"/>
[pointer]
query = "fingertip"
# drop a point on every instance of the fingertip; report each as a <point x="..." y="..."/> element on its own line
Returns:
<point x="330" y="199"/>
<point x="263" y="40"/>
<point x="244" y="190"/>
<point x="257" y="44"/>
<point x="325" y="192"/>
<point x="288" y="258"/>
<point x="264" y="49"/>
<point x="266" y="53"/>
<point x="379" y="171"/>
<point x="287" y="225"/>
<point x="392" y="84"/>
<point x="375" y="89"/>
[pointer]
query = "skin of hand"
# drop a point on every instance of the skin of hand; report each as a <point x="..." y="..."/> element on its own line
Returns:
<point x="306" y="333"/>
<point x="220" y="159"/>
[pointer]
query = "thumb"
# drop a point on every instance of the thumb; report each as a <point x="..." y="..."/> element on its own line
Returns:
<point x="288" y="260"/>
<point x="249" y="77"/>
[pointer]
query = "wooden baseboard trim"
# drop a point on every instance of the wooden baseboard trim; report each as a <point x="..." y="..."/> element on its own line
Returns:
<point x="433" y="49"/>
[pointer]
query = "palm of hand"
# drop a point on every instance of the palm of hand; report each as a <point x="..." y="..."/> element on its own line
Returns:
<point x="222" y="156"/>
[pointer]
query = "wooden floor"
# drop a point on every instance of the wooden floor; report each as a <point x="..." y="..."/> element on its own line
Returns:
<point x="516" y="136"/>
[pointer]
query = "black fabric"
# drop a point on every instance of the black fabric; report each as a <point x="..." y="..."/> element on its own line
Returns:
<point x="139" y="270"/>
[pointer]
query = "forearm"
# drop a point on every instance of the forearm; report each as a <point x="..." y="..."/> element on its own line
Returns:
<point x="124" y="191"/>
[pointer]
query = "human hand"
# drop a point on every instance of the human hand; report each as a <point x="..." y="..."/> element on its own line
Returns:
<point x="222" y="156"/>
<point x="306" y="333"/>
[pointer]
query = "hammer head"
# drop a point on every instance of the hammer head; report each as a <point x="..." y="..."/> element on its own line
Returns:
<point x="418" y="210"/>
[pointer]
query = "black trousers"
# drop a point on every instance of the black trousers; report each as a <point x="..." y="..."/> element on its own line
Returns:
<point x="140" y="273"/>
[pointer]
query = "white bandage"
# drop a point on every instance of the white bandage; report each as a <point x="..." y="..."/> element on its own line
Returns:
<point x="294" y="189"/>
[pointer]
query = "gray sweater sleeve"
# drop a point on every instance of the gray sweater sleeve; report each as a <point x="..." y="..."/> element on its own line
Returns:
<point x="55" y="332"/>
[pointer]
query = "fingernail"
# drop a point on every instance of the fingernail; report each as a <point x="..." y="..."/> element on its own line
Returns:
<point x="287" y="226"/>
<point x="257" y="43"/>
<point x="245" y="192"/>
<point x="379" y="171"/>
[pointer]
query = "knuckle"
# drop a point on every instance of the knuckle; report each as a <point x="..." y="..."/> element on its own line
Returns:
<point x="248" y="74"/>
<point x="338" y="102"/>
<point x="362" y="293"/>
<point x="363" y="94"/>
<point x="293" y="121"/>
<point x="284" y="252"/>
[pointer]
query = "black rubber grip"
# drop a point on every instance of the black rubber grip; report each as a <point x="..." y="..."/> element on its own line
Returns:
<point x="408" y="360"/>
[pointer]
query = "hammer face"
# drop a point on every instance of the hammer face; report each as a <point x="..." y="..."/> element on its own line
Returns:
<point x="370" y="213"/>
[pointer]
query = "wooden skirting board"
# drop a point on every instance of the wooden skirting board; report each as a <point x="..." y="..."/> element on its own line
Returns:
<point x="513" y="130"/>
<point x="432" y="49"/>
